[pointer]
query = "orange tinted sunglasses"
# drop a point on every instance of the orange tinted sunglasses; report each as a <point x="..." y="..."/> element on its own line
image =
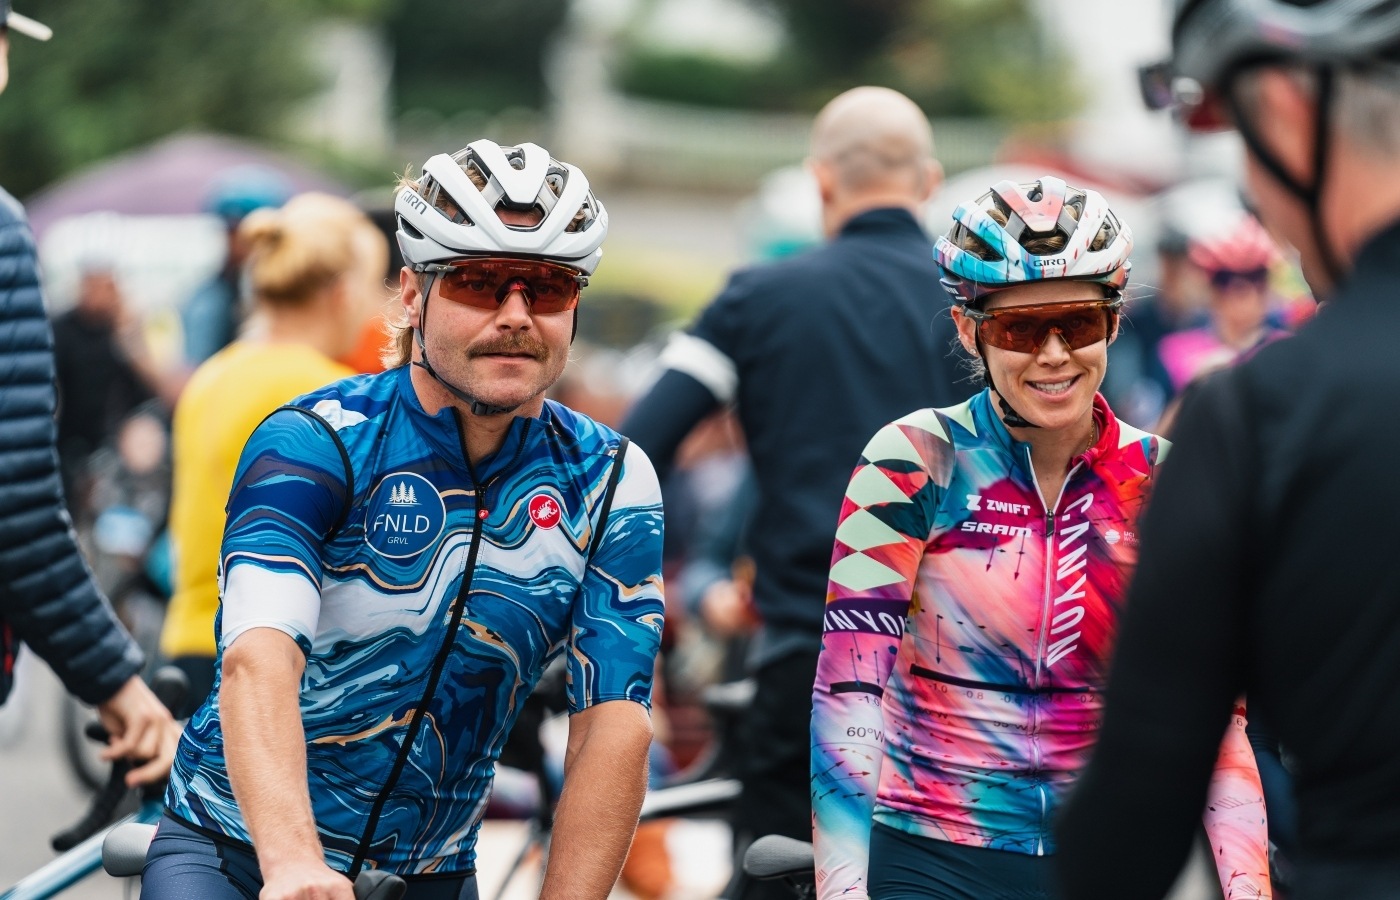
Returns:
<point x="485" y="283"/>
<point x="1023" y="329"/>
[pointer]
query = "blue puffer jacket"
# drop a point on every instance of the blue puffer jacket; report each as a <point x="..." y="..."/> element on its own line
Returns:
<point x="47" y="596"/>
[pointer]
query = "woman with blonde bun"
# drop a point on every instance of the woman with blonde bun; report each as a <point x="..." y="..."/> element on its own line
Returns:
<point x="313" y="273"/>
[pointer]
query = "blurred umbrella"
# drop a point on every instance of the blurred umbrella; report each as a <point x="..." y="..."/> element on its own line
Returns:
<point x="174" y="176"/>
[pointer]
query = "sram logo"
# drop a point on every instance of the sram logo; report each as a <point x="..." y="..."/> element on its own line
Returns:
<point x="989" y="528"/>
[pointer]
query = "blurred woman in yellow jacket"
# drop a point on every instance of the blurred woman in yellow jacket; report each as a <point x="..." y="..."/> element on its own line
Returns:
<point x="314" y="272"/>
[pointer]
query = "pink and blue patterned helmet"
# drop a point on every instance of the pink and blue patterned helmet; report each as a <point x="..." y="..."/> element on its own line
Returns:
<point x="1019" y="233"/>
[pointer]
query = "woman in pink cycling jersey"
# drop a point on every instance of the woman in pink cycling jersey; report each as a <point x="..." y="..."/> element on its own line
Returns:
<point x="1237" y="264"/>
<point x="982" y="554"/>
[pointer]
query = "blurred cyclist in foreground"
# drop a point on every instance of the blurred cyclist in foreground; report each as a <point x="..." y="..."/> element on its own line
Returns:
<point x="404" y="553"/>
<point x="979" y="570"/>
<point x="1268" y="563"/>
<point x="817" y="350"/>
<point x="47" y="596"/>
<point x="314" y="267"/>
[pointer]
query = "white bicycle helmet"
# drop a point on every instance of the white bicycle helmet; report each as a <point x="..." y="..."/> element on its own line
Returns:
<point x="1019" y="233"/>
<point x="446" y="216"/>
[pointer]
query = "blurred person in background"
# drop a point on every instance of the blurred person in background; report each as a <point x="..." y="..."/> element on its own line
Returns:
<point x="1137" y="384"/>
<point x="817" y="351"/>
<point x="104" y="371"/>
<point x="47" y="596"/>
<point x="367" y="354"/>
<point x="1267" y="564"/>
<point x="212" y="316"/>
<point x="1236" y="264"/>
<point x="315" y="268"/>
<point x="978" y="572"/>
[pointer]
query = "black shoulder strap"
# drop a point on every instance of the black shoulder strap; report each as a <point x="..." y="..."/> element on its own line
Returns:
<point x="613" y="477"/>
<point x="344" y="459"/>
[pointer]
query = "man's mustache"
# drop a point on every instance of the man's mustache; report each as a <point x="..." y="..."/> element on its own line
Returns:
<point x="516" y="344"/>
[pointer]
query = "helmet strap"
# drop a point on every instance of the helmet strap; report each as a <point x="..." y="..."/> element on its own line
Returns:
<point x="1309" y="194"/>
<point x="477" y="407"/>
<point x="1009" y="416"/>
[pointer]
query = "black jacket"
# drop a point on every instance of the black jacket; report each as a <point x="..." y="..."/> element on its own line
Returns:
<point x="819" y="352"/>
<point x="47" y="596"/>
<point x="1270" y="566"/>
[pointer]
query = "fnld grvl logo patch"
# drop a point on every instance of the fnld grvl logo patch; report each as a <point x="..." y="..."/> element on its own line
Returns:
<point x="404" y="516"/>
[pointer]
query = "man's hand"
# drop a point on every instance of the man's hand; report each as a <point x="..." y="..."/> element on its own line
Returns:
<point x="142" y="730"/>
<point x="310" y="879"/>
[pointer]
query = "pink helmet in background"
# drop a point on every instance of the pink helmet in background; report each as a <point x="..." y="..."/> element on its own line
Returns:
<point x="1244" y="247"/>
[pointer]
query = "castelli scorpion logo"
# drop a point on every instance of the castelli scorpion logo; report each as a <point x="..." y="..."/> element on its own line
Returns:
<point x="544" y="512"/>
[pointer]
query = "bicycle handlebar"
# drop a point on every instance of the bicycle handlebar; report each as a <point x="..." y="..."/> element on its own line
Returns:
<point x="169" y="685"/>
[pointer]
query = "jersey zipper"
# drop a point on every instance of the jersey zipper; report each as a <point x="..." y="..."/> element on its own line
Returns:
<point x="440" y="662"/>
<point x="1042" y="632"/>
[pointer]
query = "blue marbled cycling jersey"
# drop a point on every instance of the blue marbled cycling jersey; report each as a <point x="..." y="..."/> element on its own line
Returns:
<point x="394" y="558"/>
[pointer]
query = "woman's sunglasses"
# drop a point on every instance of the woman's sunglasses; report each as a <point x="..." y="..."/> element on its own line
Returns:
<point x="485" y="283"/>
<point x="1224" y="279"/>
<point x="1023" y="329"/>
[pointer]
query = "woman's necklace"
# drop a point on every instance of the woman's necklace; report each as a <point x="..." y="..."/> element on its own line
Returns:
<point x="1093" y="434"/>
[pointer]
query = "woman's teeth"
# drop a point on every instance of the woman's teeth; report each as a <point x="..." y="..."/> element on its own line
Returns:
<point x="1053" y="387"/>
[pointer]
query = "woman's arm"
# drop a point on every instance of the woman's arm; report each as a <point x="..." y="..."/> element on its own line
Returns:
<point x="1234" y="817"/>
<point x="880" y="543"/>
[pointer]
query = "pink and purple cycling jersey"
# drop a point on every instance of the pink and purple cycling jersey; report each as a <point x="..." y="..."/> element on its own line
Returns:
<point x="1187" y="355"/>
<point x="969" y="624"/>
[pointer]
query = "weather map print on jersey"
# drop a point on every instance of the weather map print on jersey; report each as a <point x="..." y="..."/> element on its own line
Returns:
<point x="435" y="601"/>
<point x="967" y="634"/>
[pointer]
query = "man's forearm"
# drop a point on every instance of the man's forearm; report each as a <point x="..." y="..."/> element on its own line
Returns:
<point x="266" y="746"/>
<point x="604" y="784"/>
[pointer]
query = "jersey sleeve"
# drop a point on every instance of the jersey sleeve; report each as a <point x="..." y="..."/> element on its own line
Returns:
<point x="289" y="491"/>
<point x="1234" y="818"/>
<point x="617" y="621"/>
<point x="883" y="530"/>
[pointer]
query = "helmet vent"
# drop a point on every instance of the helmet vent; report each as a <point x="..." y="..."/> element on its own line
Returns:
<point x="968" y="241"/>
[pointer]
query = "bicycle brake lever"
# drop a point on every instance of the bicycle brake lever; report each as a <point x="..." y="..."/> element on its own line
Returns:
<point x="372" y="884"/>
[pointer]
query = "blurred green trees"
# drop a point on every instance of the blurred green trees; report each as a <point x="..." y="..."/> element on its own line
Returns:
<point x="118" y="75"/>
<point x="483" y="55"/>
<point x="954" y="57"/>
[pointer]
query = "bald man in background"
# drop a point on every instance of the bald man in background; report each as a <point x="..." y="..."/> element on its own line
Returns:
<point x="817" y="352"/>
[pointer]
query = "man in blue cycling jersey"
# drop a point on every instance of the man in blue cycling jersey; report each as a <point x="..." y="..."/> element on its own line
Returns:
<point x="404" y="554"/>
